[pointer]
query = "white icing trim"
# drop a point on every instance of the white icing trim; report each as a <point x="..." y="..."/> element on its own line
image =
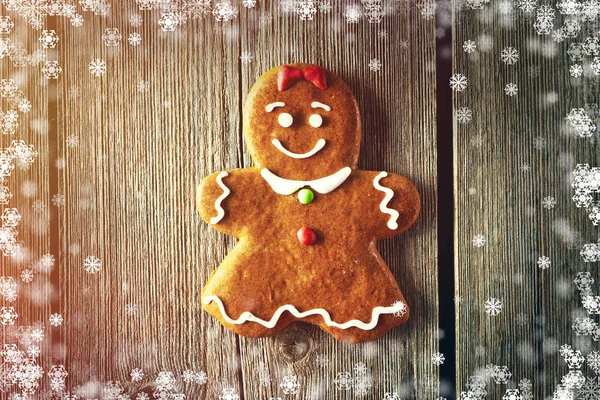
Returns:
<point x="320" y="144"/>
<point x="316" y="104"/>
<point x="389" y="194"/>
<point x="226" y="191"/>
<point x="322" y="185"/>
<point x="271" y="107"/>
<point x="397" y="307"/>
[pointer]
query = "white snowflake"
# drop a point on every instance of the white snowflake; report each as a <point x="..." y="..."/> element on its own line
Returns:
<point x="33" y="11"/>
<point x="10" y="218"/>
<point x="492" y="306"/>
<point x="8" y="316"/>
<point x="131" y="309"/>
<point x="512" y="394"/>
<point x="543" y="262"/>
<point x="77" y="20"/>
<point x="97" y="67"/>
<point x="576" y="70"/>
<point x="168" y="22"/>
<point x="306" y="10"/>
<point x="322" y="360"/>
<point x="27" y="275"/>
<point x="290" y="385"/>
<point x="438" y="358"/>
<point x="527" y="6"/>
<point x="38" y="206"/>
<point x="143" y="86"/>
<point x="469" y="46"/>
<point x="343" y="381"/>
<point x="249" y="3"/>
<point x="511" y="89"/>
<point x="201" y="378"/>
<point x="136" y="20"/>
<point x="6" y="25"/>
<point x="229" y="394"/>
<point x="72" y="141"/>
<point x="509" y="55"/>
<point x="92" y="264"/>
<point x="111" y="37"/>
<point x="589" y="390"/>
<point x="360" y="368"/>
<point x="581" y="122"/>
<point x="593" y="360"/>
<point x="464" y="115"/>
<point x="134" y="39"/>
<point x="539" y="143"/>
<point x="51" y="69"/>
<point x="595" y="66"/>
<point x="362" y="385"/>
<point x="136" y="375"/>
<point x="56" y="319"/>
<point x="197" y="9"/>
<point x="246" y="57"/>
<point x="374" y="65"/>
<point x="224" y="12"/>
<point x="458" y="82"/>
<point x="543" y="26"/>
<point x="48" y="39"/>
<point x="478" y="240"/>
<point x="352" y="14"/>
<point x="500" y="374"/>
<point x="266" y="18"/>
<point x="548" y="202"/>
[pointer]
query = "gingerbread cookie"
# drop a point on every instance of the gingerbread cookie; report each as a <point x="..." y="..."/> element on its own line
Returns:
<point x="306" y="217"/>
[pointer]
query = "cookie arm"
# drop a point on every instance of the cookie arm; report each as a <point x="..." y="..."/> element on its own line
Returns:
<point x="396" y="204"/>
<point x="212" y="195"/>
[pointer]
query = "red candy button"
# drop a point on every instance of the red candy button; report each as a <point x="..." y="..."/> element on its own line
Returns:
<point x="307" y="236"/>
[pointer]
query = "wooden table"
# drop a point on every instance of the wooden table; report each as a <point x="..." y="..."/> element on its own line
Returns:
<point x="129" y="188"/>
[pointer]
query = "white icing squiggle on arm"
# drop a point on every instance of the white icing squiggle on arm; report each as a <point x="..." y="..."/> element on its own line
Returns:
<point x="389" y="193"/>
<point x="398" y="308"/>
<point x="226" y="191"/>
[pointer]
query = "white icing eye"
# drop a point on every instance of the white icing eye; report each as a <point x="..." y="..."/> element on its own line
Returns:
<point x="315" y="120"/>
<point x="286" y="120"/>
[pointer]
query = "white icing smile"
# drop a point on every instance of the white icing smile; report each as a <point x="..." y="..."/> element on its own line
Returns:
<point x="320" y="144"/>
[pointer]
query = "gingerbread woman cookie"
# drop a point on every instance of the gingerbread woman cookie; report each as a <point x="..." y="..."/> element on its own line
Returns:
<point x="306" y="217"/>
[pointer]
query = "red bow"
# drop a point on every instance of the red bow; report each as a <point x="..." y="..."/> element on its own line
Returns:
<point x="290" y="75"/>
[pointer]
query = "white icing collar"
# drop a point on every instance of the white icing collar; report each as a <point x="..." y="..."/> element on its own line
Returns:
<point x="322" y="185"/>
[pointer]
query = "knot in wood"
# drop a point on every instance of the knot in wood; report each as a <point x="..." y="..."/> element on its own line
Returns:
<point x="294" y="342"/>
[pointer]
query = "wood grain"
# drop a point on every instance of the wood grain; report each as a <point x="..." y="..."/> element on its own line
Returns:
<point x="506" y="206"/>
<point x="160" y="144"/>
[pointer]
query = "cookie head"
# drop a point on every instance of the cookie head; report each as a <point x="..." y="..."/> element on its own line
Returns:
<point x="302" y="122"/>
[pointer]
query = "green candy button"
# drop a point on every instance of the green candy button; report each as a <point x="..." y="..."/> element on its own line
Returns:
<point x="305" y="196"/>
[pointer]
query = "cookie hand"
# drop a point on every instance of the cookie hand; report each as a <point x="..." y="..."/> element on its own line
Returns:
<point x="398" y="204"/>
<point x="211" y="197"/>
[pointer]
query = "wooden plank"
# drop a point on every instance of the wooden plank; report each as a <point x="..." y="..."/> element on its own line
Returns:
<point x="398" y="136"/>
<point x="513" y="154"/>
<point x="130" y="184"/>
